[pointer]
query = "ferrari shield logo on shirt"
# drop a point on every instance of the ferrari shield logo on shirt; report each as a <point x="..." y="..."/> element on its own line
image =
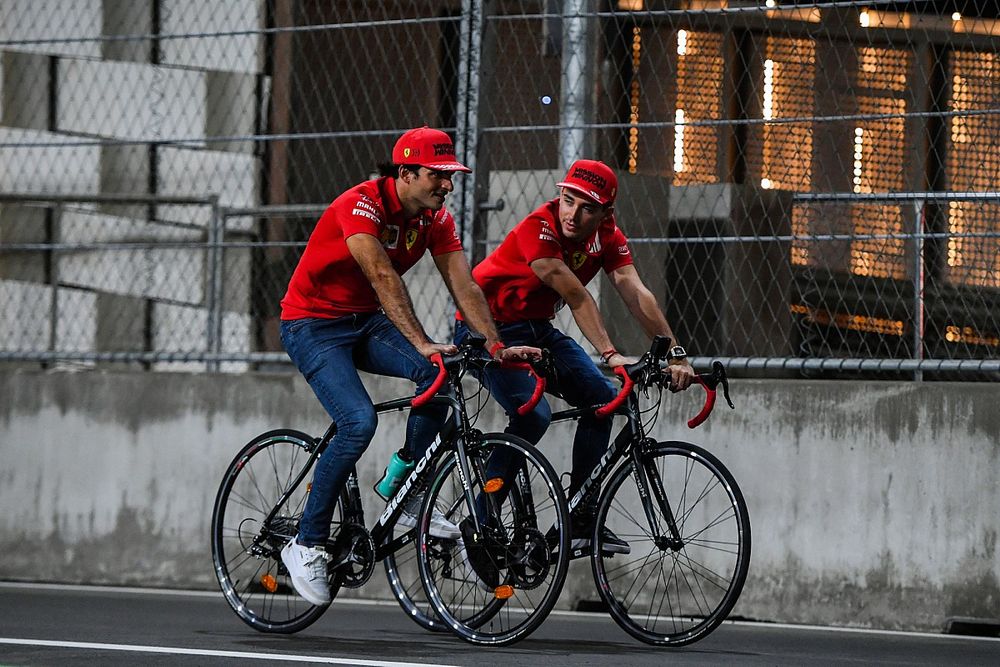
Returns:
<point x="389" y="237"/>
<point x="577" y="260"/>
<point x="411" y="238"/>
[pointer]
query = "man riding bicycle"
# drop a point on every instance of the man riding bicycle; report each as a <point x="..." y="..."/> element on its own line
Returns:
<point x="347" y="309"/>
<point x="542" y="264"/>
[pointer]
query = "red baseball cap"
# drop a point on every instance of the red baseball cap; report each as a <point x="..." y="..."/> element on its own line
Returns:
<point x="592" y="179"/>
<point x="427" y="147"/>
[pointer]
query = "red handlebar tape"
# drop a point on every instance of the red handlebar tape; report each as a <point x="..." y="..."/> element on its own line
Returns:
<point x="423" y="398"/>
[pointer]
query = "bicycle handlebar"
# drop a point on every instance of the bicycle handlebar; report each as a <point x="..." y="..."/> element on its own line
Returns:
<point x="708" y="381"/>
<point x="536" y="396"/>
<point x="627" y="384"/>
<point x="442" y="375"/>
<point x="443" y="363"/>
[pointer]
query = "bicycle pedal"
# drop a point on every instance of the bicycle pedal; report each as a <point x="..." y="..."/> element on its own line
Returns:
<point x="574" y="554"/>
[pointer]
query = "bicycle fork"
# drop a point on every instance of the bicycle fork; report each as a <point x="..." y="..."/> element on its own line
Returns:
<point x="649" y="483"/>
<point x="647" y="478"/>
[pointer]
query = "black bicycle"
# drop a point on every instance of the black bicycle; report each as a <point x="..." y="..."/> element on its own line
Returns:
<point x="678" y="508"/>
<point x="492" y="585"/>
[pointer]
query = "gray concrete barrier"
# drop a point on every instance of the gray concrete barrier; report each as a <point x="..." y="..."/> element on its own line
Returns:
<point x="873" y="504"/>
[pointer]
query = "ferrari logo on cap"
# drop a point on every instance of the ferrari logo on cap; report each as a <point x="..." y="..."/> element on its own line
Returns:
<point x="406" y="152"/>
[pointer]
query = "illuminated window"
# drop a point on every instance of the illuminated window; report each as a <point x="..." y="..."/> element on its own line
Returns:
<point x="859" y="160"/>
<point x="679" y="140"/>
<point x="969" y="336"/>
<point x="782" y="153"/>
<point x="768" y="89"/>
<point x="699" y="88"/>
<point x="973" y="164"/>
<point x="879" y="164"/>
<point x="634" y="99"/>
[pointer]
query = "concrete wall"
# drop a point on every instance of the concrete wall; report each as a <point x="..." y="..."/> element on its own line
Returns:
<point x="872" y="504"/>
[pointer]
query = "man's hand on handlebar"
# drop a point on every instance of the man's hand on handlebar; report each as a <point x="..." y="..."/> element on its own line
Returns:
<point x="681" y="374"/>
<point x="429" y="349"/>
<point x="518" y="353"/>
<point x="618" y="359"/>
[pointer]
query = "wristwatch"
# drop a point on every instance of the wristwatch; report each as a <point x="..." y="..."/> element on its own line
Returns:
<point x="678" y="352"/>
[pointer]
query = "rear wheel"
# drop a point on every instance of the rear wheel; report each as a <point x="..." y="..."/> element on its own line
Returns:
<point x="497" y="587"/>
<point x="403" y="573"/>
<point x="674" y="591"/>
<point x="246" y="545"/>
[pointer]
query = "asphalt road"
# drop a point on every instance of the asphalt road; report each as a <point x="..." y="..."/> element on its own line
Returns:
<point x="53" y="625"/>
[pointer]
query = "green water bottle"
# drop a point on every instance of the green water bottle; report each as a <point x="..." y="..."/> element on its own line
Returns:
<point x="397" y="470"/>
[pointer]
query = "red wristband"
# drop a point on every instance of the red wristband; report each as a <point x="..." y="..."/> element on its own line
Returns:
<point x="608" y="353"/>
<point x="496" y="347"/>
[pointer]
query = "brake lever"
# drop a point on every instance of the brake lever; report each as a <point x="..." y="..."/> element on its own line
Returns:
<point x="717" y="366"/>
<point x="719" y="377"/>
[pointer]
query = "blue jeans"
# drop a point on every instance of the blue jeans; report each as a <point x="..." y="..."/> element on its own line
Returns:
<point x="329" y="352"/>
<point x="577" y="380"/>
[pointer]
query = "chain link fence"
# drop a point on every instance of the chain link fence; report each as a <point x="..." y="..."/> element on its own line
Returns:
<point x="809" y="187"/>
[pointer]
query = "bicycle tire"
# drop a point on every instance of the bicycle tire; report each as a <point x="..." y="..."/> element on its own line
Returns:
<point x="246" y="554"/>
<point x="403" y="574"/>
<point x="694" y="584"/>
<point x="529" y="550"/>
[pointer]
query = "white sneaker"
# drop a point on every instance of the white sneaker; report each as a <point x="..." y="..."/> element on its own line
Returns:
<point x="307" y="569"/>
<point x="440" y="526"/>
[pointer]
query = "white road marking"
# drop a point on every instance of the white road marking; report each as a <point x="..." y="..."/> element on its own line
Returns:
<point x="244" y="655"/>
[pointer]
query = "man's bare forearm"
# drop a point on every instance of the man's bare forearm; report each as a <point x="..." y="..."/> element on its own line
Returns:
<point x="398" y="307"/>
<point x="589" y="319"/>
<point x="389" y="287"/>
<point x="476" y="312"/>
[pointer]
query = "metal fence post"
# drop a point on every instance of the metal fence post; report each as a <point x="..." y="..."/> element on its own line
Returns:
<point x="467" y="113"/>
<point x="576" y="81"/>
<point x="53" y="276"/>
<point x="919" y="206"/>
<point x="214" y="289"/>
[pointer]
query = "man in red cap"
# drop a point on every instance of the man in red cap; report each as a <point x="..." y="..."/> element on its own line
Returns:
<point x="347" y="308"/>
<point x="545" y="263"/>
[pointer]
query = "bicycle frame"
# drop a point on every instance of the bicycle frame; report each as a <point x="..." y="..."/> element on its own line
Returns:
<point x="629" y="441"/>
<point x="453" y="437"/>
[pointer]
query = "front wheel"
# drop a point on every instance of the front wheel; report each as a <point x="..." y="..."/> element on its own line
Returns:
<point x="496" y="586"/>
<point x="673" y="589"/>
<point x="247" y="537"/>
<point x="403" y="574"/>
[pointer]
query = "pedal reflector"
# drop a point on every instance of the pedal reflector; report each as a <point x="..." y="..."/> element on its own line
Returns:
<point x="503" y="592"/>
<point x="269" y="583"/>
<point x="493" y="485"/>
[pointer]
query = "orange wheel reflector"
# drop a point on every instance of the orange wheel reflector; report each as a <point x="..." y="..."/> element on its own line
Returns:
<point x="269" y="583"/>
<point x="493" y="485"/>
<point x="309" y="487"/>
<point x="503" y="592"/>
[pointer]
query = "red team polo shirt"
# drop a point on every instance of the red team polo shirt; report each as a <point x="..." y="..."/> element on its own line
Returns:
<point x="513" y="290"/>
<point x="329" y="283"/>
